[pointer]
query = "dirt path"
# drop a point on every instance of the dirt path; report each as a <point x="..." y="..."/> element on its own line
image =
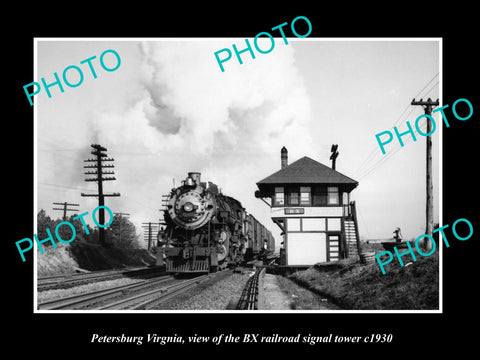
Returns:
<point x="281" y="293"/>
<point x="275" y="299"/>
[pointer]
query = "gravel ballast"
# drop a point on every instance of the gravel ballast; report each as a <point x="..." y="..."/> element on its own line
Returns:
<point x="213" y="294"/>
<point x="81" y="289"/>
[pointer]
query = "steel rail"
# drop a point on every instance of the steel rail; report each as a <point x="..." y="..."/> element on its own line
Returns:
<point x="151" y="298"/>
<point x="250" y="294"/>
<point x="91" y="273"/>
<point x="72" y="279"/>
<point x="82" y="300"/>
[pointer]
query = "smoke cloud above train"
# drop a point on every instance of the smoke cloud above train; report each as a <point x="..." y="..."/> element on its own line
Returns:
<point x="171" y="111"/>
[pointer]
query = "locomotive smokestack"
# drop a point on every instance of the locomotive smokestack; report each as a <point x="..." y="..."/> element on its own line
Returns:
<point x="195" y="176"/>
<point x="284" y="157"/>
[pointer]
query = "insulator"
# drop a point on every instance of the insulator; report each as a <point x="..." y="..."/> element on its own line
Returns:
<point x="99" y="147"/>
<point x="97" y="153"/>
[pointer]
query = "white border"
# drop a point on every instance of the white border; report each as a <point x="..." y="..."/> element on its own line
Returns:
<point x="252" y="313"/>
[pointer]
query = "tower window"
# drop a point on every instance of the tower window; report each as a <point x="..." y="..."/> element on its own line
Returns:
<point x="279" y="198"/>
<point x="319" y="195"/>
<point x="293" y="197"/>
<point x="305" y="195"/>
<point x="333" y="195"/>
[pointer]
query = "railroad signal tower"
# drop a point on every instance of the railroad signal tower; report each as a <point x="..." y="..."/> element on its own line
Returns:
<point x="99" y="165"/>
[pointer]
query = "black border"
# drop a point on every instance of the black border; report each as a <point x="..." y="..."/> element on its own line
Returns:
<point x="414" y="334"/>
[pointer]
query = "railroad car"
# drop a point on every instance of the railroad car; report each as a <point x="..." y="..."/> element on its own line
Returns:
<point x="207" y="231"/>
<point x="260" y="241"/>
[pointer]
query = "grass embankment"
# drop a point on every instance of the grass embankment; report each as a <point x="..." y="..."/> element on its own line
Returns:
<point x="55" y="261"/>
<point x="353" y="286"/>
<point x="69" y="258"/>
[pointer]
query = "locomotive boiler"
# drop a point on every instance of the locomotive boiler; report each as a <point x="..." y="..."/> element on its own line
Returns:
<point x="207" y="231"/>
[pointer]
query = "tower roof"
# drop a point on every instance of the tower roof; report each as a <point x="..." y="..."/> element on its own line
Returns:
<point x="307" y="171"/>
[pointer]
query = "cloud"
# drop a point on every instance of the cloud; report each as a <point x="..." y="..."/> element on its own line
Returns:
<point x="248" y="104"/>
<point x="189" y="116"/>
<point x="193" y="115"/>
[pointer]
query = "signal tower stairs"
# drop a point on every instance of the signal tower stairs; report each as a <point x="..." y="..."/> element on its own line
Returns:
<point x="351" y="237"/>
<point x="351" y="232"/>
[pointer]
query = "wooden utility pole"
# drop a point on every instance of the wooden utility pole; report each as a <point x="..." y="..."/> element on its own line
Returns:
<point x="65" y="209"/>
<point x="334" y="155"/>
<point x="428" y="106"/>
<point x="101" y="157"/>
<point x="148" y="236"/>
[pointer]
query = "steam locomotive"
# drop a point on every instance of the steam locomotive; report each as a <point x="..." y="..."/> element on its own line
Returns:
<point x="207" y="231"/>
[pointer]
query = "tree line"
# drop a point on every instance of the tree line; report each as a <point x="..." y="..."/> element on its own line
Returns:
<point x="121" y="233"/>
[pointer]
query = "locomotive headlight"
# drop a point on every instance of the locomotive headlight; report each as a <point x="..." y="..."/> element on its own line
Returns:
<point x="188" y="206"/>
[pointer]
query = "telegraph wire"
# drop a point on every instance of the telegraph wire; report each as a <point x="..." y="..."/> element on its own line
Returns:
<point x="366" y="165"/>
<point x="83" y="189"/>
<point x="55" y="153"/>
<point x="62" y="186"/>
<point x="433" y="87"/>
<point x="390" y="154"/>
<point x="374" y="150"/>
<point x="387" y="157"/>
<point x="412" y="107"/>
<point x="140" y="203"/>
<point x="426" y="85"/>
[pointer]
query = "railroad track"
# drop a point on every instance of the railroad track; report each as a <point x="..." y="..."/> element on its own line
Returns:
<point x="65" y="281"/>
<point x="152" y="298"/>
<point x="252" y="294"/>
<point x="142" y="295"/>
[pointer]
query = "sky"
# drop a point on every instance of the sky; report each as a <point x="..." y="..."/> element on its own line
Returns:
<point x="168" y="110"/>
